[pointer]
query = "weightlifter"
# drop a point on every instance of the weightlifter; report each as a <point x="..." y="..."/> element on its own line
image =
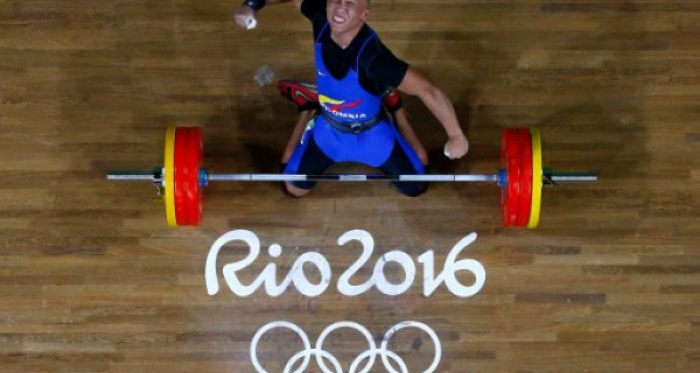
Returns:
<point x="353" y="70"/>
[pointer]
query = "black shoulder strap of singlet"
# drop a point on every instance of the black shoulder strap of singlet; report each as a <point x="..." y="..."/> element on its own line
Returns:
<point x="362" y="48"/>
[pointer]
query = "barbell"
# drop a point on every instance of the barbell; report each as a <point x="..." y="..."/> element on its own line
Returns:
<point x="182" y="179"/>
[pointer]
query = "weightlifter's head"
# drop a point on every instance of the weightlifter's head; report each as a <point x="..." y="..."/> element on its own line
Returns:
<point x="346" y="17"/>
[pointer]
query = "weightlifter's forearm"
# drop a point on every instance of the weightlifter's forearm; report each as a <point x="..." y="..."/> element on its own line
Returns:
<point x="414" y="83"/>
<point x="441" y="107"/>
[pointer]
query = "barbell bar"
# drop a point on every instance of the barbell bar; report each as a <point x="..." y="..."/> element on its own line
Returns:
<point x="182" y="179"/>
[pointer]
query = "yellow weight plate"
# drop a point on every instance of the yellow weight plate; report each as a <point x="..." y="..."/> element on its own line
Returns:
<point x="536" y="178"/>
<point x="169" y="176"/>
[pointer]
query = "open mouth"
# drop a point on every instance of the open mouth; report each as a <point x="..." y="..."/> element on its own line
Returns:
<point x="339" y="20"/>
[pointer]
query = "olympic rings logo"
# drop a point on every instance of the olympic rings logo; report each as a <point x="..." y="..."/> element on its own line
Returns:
<point x="321" y="355"/>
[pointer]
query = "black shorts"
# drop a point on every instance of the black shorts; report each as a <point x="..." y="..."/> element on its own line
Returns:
<point x="315" y="162"/>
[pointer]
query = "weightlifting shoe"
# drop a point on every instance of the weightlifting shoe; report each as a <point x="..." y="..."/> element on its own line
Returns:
<point x="303" y="94"/>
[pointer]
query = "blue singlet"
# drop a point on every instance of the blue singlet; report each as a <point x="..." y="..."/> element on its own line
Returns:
<point x="346" y="101"/>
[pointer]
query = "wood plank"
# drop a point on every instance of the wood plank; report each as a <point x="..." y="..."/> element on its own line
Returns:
<point x="92" y="279"/>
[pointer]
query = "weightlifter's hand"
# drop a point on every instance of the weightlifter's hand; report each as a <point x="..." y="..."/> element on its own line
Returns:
<point x="456" y="147"/>
<point x="245" y="17"/>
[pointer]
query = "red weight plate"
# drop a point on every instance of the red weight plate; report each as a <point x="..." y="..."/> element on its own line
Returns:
<point x="525" y="197"/>
<point x="510" y="160"/>
<point x="187" y="191"/>
<point x="190" y="174"/>
<point x="180" y="178"/>
<point x="194" y="193"/>
<point x="186" y="172"/>
<point x="513" y="159"/>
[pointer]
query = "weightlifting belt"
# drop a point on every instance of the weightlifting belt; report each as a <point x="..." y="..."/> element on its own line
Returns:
<point x="353" y="127"/>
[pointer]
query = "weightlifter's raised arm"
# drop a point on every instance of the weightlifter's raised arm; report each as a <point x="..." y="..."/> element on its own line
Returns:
<point x="414" y="83"/>
<point x="245" y="15"/>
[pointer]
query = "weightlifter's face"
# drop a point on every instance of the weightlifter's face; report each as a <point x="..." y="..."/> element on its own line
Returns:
<point x="347" y="15"/>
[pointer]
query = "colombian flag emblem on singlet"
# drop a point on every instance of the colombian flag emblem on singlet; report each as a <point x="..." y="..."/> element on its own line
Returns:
<point x="333" y="105"/>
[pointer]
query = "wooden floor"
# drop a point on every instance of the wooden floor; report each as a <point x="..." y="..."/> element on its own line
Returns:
<point x="92" y="280"/>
